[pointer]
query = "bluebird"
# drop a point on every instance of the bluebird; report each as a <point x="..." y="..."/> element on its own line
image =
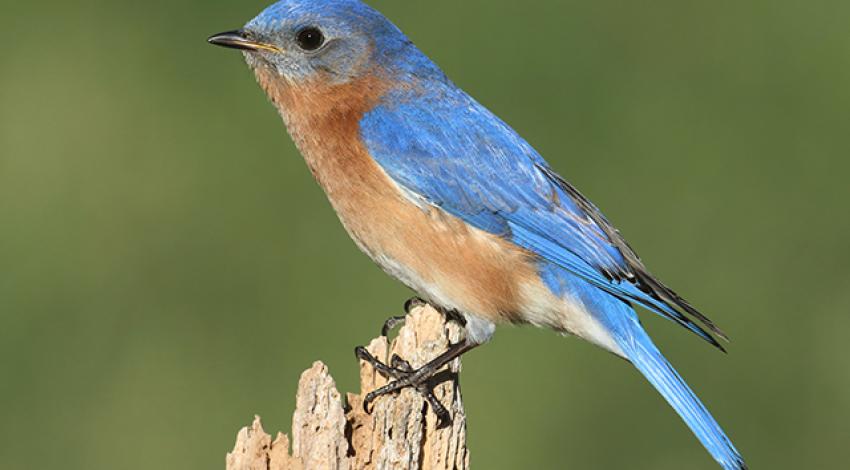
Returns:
<point x="448" y="199"/>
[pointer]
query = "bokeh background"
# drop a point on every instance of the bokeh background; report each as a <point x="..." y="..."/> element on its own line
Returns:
<point x="168" y="267"/>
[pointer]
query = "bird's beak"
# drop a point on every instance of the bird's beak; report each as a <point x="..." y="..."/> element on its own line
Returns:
<point x="238" y="40"/>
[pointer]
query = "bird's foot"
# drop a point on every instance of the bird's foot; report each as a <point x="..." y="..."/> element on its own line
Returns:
<point x="412" y="303"/>
<point x="403" y="375"/>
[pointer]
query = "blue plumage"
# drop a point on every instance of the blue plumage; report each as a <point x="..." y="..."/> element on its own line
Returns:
<point x="447" y="150"/>
<point x="623" y="322"/>
<point x="620" y="318"/>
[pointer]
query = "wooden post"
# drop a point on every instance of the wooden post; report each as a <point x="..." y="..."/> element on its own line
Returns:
<point x="401" y="432"/>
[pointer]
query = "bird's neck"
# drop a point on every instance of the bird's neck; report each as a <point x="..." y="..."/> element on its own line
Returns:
<point x="324" y="121"/>
<point x="318" y="111"/>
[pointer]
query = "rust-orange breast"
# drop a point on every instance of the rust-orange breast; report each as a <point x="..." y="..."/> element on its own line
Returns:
<point x="433" y="252"/>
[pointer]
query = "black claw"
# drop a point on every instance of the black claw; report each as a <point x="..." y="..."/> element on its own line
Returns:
<point x="413" y="302"/>
<point x="364" y="355"/>
<point x="391" y="387"/>
<point x="455" y="316"/>
<point x="366" y="402"/>
<point x="391" y="323"/>
<point x="444" y="418"/>
<point x="396" y="362"/>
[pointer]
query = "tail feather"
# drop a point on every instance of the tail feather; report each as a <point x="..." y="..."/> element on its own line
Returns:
<point x="619" y="320"/>
<point x="641" y="351"/>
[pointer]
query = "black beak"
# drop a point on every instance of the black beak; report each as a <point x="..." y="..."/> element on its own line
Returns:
<point x="238" y="40"/>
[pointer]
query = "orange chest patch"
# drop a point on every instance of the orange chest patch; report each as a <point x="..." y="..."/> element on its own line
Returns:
<point x="431" y="251"/>
<point x="323" y="120"/>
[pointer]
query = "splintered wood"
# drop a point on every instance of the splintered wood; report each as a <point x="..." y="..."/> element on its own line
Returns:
<point x="401" y="432"/>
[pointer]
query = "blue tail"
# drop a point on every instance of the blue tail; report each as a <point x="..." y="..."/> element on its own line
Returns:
<point x="621" y="321"/>
<point x="641" y="351"/>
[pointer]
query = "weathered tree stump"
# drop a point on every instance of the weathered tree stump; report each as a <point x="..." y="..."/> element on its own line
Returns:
<point x="400" y="433"/>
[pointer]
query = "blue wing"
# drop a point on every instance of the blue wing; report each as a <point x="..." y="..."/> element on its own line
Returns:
<point x="445" y="148"/>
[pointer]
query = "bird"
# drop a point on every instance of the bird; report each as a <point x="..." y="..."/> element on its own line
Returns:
<point x="452" y="202"/>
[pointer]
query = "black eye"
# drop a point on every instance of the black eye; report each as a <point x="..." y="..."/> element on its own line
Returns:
<point x="310" y="38"/>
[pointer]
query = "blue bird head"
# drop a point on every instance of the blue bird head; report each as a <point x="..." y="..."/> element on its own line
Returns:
<point x="340" y="40"/>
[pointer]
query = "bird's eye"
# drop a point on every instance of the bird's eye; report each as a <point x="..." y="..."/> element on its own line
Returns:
<point x="310" y="38"/>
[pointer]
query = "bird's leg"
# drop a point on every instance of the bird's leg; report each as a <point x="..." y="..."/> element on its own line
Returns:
<point x="412" y="303"/>
<point x="406" y="376"/>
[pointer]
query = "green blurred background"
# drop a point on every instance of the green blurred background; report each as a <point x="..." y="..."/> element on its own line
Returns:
<point x="169" y="267"/>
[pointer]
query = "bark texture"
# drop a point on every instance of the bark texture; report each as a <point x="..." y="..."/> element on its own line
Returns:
<point x="400" y="433"/>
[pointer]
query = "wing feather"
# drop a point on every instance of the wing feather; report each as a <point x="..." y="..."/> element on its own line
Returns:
<point x="453" y="153"/>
